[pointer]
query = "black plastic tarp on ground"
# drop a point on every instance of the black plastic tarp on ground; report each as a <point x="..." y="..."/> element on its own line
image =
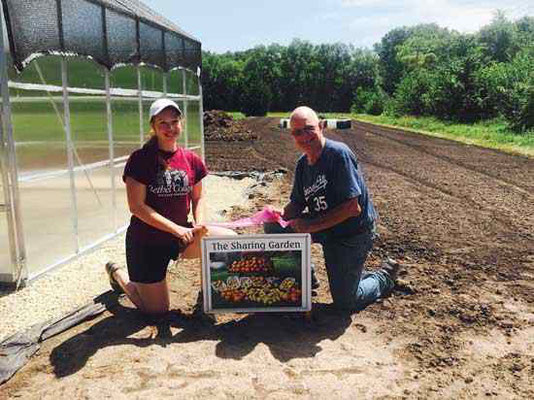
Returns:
<point x="16" y="350"/>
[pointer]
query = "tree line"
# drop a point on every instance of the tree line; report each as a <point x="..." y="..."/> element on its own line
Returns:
<point x="422" y="70"/>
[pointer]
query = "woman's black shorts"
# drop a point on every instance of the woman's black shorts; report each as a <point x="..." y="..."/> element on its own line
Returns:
<point x="148" y="263"/>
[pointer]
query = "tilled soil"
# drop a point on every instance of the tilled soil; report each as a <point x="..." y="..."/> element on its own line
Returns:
<point x="459" y="324"/>
<point x="460" y="219"/>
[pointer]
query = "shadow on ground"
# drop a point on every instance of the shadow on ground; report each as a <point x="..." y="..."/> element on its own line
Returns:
<point x="287" y="336"/>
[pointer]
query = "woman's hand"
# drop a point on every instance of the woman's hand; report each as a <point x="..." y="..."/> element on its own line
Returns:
<point x="187" y="235"/>
<point x="200" y="230"/>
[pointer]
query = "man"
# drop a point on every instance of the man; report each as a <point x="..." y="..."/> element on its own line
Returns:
<point x="330" y="200"/>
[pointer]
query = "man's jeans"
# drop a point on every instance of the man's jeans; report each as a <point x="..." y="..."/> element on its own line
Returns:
<point x="351" y="288"/>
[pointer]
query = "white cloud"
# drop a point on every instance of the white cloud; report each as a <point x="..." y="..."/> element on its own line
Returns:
<point x="464" y="18"/>
<point x="516" y="7"/>
<point x="373" y="3"/>
<point x="376" y="18"/>
<point x="364" y="3"/>
<point x="369" y="31"/>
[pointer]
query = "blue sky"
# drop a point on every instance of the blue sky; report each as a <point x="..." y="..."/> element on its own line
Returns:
<point x="242" y="24"/>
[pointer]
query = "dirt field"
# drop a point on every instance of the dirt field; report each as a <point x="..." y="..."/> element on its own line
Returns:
<point x="460" y="323"/>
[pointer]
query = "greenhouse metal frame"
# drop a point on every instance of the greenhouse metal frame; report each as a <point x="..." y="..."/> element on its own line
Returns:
<point x="126" y="33"/>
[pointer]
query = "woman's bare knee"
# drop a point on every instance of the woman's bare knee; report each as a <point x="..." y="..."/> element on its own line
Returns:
<point x="154" y="297"/>
<point x="155" y="310"/>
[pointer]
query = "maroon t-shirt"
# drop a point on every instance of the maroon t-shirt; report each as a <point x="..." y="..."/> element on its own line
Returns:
<point x="169" y="179"/>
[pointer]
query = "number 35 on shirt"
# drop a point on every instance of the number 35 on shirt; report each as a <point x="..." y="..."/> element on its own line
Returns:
<point x="319" y="203"/>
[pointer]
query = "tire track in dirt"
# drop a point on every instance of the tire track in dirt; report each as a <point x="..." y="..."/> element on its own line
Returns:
<point x="505" y="223"/>
<point x="507" y="207"/>
<point x="468" y="219"/>
<point x="382" y="132"/>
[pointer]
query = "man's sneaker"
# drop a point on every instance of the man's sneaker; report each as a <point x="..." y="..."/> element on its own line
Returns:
<point x="111" y="268"/>
<point x="391" y="268"/>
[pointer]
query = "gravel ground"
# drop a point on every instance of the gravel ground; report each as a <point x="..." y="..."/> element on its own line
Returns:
<point x="78" y="282"/>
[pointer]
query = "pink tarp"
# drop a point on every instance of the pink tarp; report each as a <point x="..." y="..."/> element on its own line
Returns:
<point x="268" y="214"/>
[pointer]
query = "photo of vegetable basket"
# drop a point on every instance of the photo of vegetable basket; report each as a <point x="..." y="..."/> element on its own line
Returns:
<point x="251" y="273"/>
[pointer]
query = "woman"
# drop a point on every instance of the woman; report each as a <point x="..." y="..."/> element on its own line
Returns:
<point x="163" y="183"/>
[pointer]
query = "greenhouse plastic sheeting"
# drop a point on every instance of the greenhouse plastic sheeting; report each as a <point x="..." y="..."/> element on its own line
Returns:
<point x="114" y="32"/>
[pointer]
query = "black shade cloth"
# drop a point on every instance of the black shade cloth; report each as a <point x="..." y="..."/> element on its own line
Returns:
<point x="16" y="350"/>
<point x="112" y="32"/>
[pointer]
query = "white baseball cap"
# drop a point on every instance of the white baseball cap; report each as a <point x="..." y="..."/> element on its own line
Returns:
<point x="160" y="104"/>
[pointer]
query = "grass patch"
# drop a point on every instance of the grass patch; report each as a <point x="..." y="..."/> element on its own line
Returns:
<point x="236" y="115"/>
<point x="491" y="134"/>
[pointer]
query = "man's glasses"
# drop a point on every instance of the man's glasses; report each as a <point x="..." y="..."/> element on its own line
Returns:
<point x="307" y="130"/>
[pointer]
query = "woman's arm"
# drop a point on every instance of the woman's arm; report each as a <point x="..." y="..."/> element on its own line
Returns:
<point x="197" y="203"/>
<point x="136" y="193"/>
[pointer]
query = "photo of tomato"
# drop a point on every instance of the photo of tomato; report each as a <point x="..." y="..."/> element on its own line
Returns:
<point x="259" y="264"/>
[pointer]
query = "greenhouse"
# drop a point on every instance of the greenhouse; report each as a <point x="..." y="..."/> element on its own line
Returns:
<point x="77" y="79"/>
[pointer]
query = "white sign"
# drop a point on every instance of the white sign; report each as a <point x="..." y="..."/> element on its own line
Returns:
<point x="256" y="273"/>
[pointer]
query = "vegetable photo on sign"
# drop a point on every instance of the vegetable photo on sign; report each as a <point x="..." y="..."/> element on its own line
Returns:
<point x="257" y="279"/>
<point x="250" y="273"/>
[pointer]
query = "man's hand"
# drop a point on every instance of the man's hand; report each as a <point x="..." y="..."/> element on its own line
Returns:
<point x="276" y="211"/>
<point x="291" y="211"/>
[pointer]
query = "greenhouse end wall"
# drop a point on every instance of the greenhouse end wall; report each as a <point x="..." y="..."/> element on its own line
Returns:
<point x="70" y="151"/>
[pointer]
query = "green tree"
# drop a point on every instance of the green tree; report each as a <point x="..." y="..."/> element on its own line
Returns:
<point x="412" y="93"/>
<point x="369" y="101"/>
<point x="222" y="80"/>
<point x="299" y="67"/>
<point x="425" y="47"/>
<point x="509" y="89"/>
<point x="259" y="75"/>
<point x="391" y="69"/>
<point x="420" y="70"/>
<point x="500" y="38"/>
<point x="525" y="31"/>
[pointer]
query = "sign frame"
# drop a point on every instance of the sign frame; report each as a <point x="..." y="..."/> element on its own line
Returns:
<point x="272" y="270"/>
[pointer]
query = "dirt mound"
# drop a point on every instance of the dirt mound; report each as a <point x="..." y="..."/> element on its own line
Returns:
<point x="221" y="126"/>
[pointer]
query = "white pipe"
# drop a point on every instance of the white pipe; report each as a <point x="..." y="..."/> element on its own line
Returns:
<point x="70" y="153"/>
<point x="184" y="89"/>
<point x="201" y="112"/>
<point x="127" y="94"/>
<point x="111" y="151"/>
<point x="41" y="176"/>
<point x="165" y="84"/>
<point x="201" y="116"/>
<point x="8" y="165"/>
<point x="140" y="103"/>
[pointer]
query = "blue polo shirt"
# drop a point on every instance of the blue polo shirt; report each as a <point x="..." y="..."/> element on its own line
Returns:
<point x="332" y="180"/>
